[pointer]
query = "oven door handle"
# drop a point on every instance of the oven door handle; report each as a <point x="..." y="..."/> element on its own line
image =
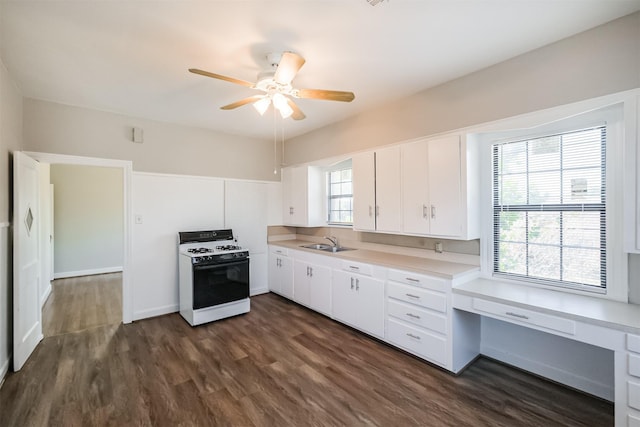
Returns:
<point x="221" y="265"/>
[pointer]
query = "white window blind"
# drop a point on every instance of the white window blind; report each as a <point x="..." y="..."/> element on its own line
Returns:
<point x="549" y="209"/>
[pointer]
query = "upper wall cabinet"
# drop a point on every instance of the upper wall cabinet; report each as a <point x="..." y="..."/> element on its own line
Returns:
<point x="439" y="188"/>
<point x="376" y="191"/>
<point x="303" y="196"/>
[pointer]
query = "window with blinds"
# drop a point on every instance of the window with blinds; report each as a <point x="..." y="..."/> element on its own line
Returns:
<point x="549" y="210"/>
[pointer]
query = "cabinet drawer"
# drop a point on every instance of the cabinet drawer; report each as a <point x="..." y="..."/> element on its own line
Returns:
<point x="634" y="365"/>
<point x="279" y="250"/>
<point x="422" y="297"/>
<point x="421" y="280"/>
<point x="520" y="315"/>
<point x="418" y="341"/>
<point x="633" y="394"/>
<point x="633" y="343"/>
<point x="357" y="267"/>
<point x="417" y="316"/>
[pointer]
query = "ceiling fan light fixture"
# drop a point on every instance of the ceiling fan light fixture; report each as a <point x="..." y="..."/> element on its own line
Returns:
<point x="281" y="103"/>
<point x="262" y="105"/>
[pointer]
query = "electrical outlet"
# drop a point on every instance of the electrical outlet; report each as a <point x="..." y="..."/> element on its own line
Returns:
<point x="439" y="248"/>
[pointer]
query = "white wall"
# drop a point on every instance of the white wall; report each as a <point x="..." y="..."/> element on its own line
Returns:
<point x="167" y="148"/>
<point x="600" y="61"/>
<point x="578" y="365"/>
<point x="88" y="220"/>
<point x="10" y="140"/>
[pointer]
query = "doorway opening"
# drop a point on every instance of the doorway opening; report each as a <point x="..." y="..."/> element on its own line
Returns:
<point x="92" y="302"/>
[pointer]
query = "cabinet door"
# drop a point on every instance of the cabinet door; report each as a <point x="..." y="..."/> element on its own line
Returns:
<point x="370" y="305"/>
<point x="275" y="283"/>
<point x="364" y="196"/>
<point x="445" y="192"/>
<point x="388" y="190"/>
<point x="415" y="188"/>
<point x="344" y="299"/>
<point x="294" y="195"/>
<point x="286" y="277"/>
<point x="320" y="289"/>
<point x="301" y="278"/>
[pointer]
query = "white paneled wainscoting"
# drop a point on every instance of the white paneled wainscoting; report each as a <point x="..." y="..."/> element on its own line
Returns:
<point x="165" y="204"/>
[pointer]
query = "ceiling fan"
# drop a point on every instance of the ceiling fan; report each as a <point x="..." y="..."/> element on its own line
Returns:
<point x="275" y="82"/>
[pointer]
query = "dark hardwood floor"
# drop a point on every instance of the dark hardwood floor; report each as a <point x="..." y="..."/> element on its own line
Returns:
<point x="79" y="303"/>
<point x="279" y="365"/>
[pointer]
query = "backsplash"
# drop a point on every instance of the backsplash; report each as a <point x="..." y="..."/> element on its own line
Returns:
<point x="469" y="250"/>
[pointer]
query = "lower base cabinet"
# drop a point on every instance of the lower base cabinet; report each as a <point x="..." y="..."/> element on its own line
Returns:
<point x="280" y="272"/>
<point x="358" y="300"/>
<point x="312" y="286"/>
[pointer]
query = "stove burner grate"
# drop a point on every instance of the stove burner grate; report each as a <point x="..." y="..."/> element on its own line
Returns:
<point x="199" y="250"/>
<point x="228" y="247"/>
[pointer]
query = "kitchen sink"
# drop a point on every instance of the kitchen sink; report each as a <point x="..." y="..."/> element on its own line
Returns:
<point x="326" y="248"/>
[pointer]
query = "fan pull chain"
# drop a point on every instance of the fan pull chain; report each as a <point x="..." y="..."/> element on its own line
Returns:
<point x="275" y="144"/>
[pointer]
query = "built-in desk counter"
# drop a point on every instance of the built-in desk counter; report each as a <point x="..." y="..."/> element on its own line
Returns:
<point x="598" y="322"/>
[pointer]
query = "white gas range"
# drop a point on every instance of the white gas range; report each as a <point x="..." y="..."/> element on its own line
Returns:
<point x="214" y="276"/>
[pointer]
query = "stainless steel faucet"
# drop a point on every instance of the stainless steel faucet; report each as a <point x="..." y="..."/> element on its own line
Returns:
<point x="333" y="240"/>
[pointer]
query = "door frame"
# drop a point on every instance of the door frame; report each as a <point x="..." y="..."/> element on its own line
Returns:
<point x="127" y="172"/>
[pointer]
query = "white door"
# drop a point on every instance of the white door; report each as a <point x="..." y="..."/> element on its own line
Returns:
<point x="27" y="326"/>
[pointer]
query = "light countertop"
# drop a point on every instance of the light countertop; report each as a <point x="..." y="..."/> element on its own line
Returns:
<point x="445" y="269"/>
<point x="598" y="311"/>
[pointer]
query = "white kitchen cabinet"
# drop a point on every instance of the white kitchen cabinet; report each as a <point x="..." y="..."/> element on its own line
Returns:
<point x="439" y="188"/>
<point x="280" y="272"/>
<point x="417" y="315"/>
<point x="358" y="300"/>
<point x="364" y="191"/>
<point x="303" y="201"/>
<point x="376" y="191"/>
<point x="312" y="286"/>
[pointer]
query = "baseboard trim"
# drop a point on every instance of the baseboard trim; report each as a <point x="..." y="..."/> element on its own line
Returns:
<point x="259" y="291"/>
<point x="4" y="369"/>
<point x="158" y="311"/>
<point x="91" y="272"/>
<point x="45" y="295"/>
<point x="552" y="373"/>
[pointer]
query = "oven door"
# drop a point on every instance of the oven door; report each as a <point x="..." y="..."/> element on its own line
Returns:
<point x="216" y="284"/>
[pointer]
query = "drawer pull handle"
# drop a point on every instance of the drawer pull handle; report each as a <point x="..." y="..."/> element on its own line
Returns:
<point x="415" y="316"/>
<point x="353" y="267"/>
<point x="519" y="316"/>
<point x="413" y="296"/>
<point x="415" y="337"/>
<point x="411" y="279"/>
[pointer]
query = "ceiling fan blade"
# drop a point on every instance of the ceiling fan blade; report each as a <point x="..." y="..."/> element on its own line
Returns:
<point x="288" y="67"/>
<point x="221" y="77"/>
<point x="297" y="113"/>
<point x="327" y="95"/>
<point x="242" y="102"/>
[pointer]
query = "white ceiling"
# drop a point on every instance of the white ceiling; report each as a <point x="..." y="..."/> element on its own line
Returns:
<point x="132" y="56"/>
